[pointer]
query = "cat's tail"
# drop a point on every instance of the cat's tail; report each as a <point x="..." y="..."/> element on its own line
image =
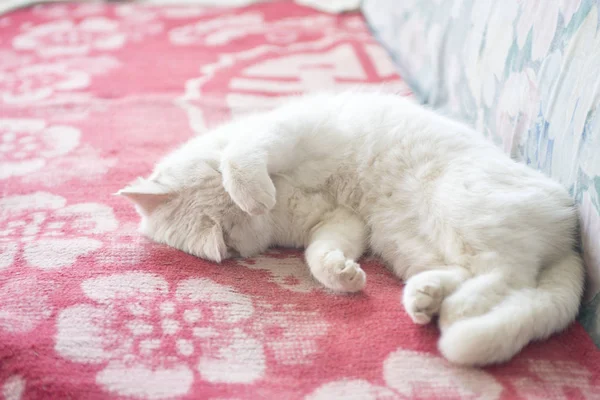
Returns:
<point x="524" y="315"/>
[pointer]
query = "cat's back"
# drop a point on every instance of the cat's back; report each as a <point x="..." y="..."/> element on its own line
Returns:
<point x="416" y="165"/>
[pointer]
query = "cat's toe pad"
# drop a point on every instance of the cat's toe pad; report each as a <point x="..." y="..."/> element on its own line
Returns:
<point x="422" y="300"/>
<point x="343" y="275"/>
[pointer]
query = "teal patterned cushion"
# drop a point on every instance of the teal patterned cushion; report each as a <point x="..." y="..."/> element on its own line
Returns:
<point x="527" y="74"/>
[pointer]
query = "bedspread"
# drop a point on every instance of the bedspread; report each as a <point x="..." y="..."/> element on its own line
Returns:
<point x="90" y="97"/>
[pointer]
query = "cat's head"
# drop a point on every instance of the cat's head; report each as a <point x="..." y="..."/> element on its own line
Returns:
<point x="187" y="207"/>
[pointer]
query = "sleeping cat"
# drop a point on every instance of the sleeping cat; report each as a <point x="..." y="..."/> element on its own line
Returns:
<point x="483" y="242"/>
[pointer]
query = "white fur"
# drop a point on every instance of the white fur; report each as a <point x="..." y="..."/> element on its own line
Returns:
<point x="483" y="242"/>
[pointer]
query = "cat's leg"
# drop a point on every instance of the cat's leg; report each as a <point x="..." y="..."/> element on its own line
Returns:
<point x="247" y="180"/>
<point x="424" y="292"/>
<point x="333" y="248"/>
<point x="247" y="163"/>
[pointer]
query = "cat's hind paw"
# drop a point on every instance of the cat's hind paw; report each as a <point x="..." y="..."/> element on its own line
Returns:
<point x="422" y="299"/>
<point x="341" y="274"/>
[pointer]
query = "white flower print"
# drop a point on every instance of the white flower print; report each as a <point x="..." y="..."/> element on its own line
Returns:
<point x="223" y="30"/>
<point x="137" y="12"/>
<point x="25" y="80"/>
<point x="410" y="374"/>
<point x="288" y="271"/>
<point x="13" y="388"/>
<point x="58" y="10"/>
<point x="139" y="21"/>
<point x="218" y="31"/>
<point x="24" y="304"/>
<point x="67" y="38"/>
<point x="152" y="341"/>
<point x="27" y="145"/>
<point x="47" y="232"/>
<point x="36" y="82"/>
<point x="125" y="246"/>
<point x="11" y="59"/>
<point x="358" y="389"/>
<point x="555" y="377"/>
<point x="299" y="70"/>
<point x="84" y="164"/>
<point x="182" y="12"/>
<point x="95" y="65"/>
<point x="296" y="345"/>
<point x="47" y="155"/>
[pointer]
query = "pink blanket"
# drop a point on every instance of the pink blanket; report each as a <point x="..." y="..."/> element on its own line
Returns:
<point x="90" y="97"/>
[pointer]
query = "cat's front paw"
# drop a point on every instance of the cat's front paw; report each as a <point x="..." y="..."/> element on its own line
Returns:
<point x="341" y="274"/>
<point x="251" y="189"/>
<point x="422" y="298"/>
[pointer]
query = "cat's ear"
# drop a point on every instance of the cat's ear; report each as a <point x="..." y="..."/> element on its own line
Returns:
<point x="147" y="195"/>
<point x="214" y="247"/>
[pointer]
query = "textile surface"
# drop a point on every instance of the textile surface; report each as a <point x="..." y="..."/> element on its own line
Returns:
<point x="330" y="6"/>
<point x="527" y="73"/>
<point x="90" y="97"/>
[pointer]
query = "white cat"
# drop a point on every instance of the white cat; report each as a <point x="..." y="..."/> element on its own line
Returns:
<point x="483" y="242"/>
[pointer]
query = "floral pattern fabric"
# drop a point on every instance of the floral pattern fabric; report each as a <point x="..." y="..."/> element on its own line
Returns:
<point x="93" y="95"/>
<point x="527" y="74"/>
